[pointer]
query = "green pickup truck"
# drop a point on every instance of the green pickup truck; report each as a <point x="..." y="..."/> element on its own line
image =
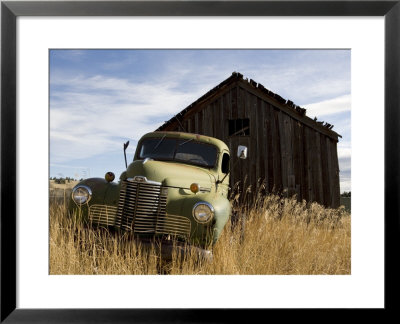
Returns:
<point x="175" y="190"/>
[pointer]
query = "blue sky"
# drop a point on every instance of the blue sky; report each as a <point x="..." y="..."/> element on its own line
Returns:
<point x="99" y="99"/>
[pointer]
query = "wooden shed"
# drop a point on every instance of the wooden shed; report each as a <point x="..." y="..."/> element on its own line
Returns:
<point x="288" y="152"/>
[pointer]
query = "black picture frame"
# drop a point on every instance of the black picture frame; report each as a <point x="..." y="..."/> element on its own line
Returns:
<point x="10" y="10"/>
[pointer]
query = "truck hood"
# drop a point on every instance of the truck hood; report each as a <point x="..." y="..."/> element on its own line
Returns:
<point x="172" y="174"/>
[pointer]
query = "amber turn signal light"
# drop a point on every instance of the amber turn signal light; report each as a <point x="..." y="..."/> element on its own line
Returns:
<point x="194" y="187"/>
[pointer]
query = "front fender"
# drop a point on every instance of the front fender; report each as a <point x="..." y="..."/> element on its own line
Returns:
<point x="209" y="233"/>
<point x="103" y="192"/>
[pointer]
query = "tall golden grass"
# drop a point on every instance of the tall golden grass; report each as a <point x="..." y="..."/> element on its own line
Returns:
<point x="277" y="236"/>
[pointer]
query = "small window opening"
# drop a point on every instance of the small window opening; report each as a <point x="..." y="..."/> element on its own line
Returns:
<point x="225" y="163"/>
<point x="239" y="127"/>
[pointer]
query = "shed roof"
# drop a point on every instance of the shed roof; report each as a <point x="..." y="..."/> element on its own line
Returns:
<point x="287" y="106"/>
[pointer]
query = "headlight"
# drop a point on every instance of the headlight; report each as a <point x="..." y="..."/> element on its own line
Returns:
<point x="203" y="212"/>
<point x="81" y="194"/>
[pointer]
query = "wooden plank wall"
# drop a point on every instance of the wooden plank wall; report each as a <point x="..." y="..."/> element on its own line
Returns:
<point x="284" y="155"/>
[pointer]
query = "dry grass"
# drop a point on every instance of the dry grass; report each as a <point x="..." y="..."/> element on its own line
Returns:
<point x="278" y="236"/>
<point x="67" y="185"/>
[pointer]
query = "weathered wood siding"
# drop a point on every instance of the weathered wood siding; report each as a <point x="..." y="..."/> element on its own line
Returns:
<point x="284" y="154"/>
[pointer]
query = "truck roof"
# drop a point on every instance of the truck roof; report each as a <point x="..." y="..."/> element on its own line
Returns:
<point x="201" y="138"/>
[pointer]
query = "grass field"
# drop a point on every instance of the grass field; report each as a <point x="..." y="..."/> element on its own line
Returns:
<point x="66" y="186"/>
<point x="278" y="236"/>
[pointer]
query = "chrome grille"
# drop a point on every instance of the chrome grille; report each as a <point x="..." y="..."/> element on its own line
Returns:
<point x="174" y="225"/>
<point x="142" y="209"/>
<point x="102" y="215"/>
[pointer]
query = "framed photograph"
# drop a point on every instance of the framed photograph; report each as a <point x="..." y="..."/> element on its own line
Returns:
<point x="47" y="50"/>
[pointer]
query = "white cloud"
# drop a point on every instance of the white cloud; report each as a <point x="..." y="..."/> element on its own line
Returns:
<point x="94" y="115"/>
<point x="68" y="166"/>
<point x="344" y="157"/>
<point x="345" y="185"/>
<point x="329" y="107"/>
<point x="297" y="84"/>
<point x="344" y="153"/>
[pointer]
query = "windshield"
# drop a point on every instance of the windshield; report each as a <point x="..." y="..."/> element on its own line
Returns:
<point x="181" y="150"/>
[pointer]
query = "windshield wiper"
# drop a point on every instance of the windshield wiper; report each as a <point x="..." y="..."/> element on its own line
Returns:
<point x="158" y="144"/>
<point x="186" y="142"/>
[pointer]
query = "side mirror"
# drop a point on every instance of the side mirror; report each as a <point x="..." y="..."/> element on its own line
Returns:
<point x="125" y="147"/>
<point x="242" y="152"/>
